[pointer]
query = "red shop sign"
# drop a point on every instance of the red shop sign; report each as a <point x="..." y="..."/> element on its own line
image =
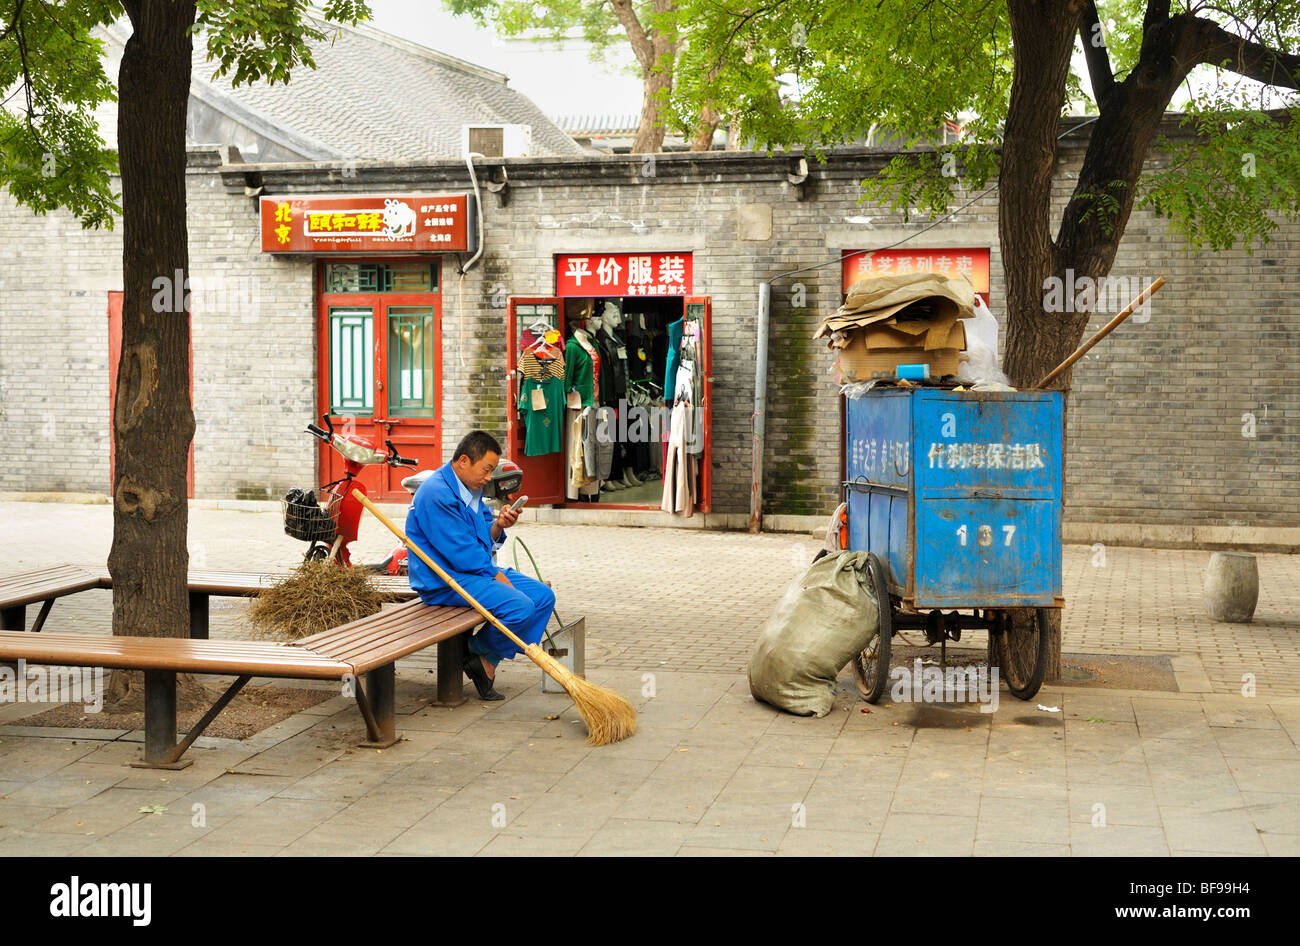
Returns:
<point x="623" y="274"/>
<point x="422" y="223"/>
<point x="963" y="261"/>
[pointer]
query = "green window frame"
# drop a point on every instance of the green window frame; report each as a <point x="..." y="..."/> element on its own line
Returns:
<point x="411" y="381"/>
<point x="352" y="360"/>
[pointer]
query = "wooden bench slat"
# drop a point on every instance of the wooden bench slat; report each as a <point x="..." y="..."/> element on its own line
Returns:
<point x="411" y="611"/>
<point x="42" y="584"/>
<point x="380" y="640"/>
<point x="179" y="654"/>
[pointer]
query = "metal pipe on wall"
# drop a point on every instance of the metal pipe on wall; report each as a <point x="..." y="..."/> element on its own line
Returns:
<point x="760" y="407"/>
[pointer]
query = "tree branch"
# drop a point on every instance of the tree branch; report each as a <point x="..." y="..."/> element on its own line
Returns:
<point x="1207" y="42"/>
<point x="1096" y="56"/>
<point x="642" y="46"/>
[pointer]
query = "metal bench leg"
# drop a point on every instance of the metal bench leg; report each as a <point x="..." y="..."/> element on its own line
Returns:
<point x="451" y="678"/>
<point x="199" y="615"/>
<point x="381" y="699"/>
<point x="13" y="619"/>
<point x="42" y="615"/>
<point x="159" y="721"/>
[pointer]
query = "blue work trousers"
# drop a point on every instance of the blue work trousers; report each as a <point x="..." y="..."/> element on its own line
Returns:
<point x="524" y="609"/>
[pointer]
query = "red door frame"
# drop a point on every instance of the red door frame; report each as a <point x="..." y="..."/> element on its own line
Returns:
<point x="543" y="476"/>
<point x="114" y="358"/>
<point x="422" y="437"/>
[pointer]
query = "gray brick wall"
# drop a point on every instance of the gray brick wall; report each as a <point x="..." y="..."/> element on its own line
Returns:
<point x="1155" y="413"/>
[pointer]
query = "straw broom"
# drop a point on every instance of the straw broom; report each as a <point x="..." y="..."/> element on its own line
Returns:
<point x="609" y="717"/>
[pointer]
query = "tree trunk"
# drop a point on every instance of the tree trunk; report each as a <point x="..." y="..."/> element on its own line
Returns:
<point x="650" y="131"/>
<point x="709" y="121"/>
<point x="153" y="422"/>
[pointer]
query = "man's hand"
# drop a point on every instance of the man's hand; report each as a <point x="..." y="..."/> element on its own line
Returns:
<point x="506" y="518"/>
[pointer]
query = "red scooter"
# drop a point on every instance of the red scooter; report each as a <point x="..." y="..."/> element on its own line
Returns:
<point x="329" y="530"/>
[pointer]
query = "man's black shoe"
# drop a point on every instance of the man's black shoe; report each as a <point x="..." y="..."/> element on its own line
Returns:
<point x="473" y="668"/>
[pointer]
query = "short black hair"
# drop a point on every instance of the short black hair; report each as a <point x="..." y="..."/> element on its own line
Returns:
<point x="476" y="444"/>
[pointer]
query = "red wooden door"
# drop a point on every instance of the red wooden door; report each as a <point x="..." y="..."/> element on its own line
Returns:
<point x="544" y="475"/>
<point x="114" y="357"/>
<point x="379" y="325"/>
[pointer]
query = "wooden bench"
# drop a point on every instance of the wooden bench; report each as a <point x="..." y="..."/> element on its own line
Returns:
<point x="367" y="647"/>
<point x="48" y="584"/>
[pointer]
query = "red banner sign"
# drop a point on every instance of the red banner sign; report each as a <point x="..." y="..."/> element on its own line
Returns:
<point x="965" y="261"/>
<point x="623" y="274"/>
<point x="367" y="224"/>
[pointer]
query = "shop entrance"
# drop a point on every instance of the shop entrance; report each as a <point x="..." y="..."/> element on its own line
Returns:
<point x="379" y="363"/>
<point x="608" y="395"/>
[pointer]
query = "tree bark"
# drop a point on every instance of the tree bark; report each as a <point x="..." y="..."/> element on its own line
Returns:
<point x="655" y="52"/>
<point x="709" y="121"/>
<point x="153" y="422"/>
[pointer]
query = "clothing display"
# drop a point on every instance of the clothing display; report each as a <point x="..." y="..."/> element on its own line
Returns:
<point x="541" y="402"/>
<point x="579" y="371"/>
<point x="674" y="356"/>
<point x="679" y="467"/>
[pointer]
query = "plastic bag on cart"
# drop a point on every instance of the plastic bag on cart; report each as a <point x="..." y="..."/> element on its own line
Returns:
<point x="979" y="362"/>
<point x="827" y="615"/>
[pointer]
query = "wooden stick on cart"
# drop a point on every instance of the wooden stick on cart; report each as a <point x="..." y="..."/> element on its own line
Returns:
<point x="1105" y="330"/>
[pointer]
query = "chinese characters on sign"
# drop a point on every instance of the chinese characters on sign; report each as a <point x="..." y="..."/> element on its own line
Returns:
<point x="987" y="456"/>
<point x="972" y="263"/>
<point x="366" y="224"/>
<point x="869" y="457"/>
<point x="623" y="274"/>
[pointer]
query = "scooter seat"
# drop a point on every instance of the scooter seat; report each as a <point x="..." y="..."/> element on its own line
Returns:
<point x="416" y="480"/>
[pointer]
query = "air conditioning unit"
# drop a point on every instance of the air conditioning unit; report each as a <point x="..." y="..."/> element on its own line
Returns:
<point x="497" y="141"/>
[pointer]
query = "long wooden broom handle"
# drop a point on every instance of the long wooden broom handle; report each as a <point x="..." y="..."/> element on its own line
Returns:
<point x="455" y="585"/>
<point x="1105" y="330"/>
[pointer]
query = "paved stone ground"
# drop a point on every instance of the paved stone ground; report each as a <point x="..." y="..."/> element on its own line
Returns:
<point x="1202" y="770"/>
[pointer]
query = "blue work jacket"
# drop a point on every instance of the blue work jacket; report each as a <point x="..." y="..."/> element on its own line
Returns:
<point x="455" y="536"/>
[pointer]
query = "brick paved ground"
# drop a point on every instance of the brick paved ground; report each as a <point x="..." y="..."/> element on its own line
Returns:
<point x="711" y="770"/>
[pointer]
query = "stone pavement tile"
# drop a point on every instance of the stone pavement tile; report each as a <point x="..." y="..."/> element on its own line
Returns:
<point x="1250" y="714"/>
<point x="43" y="844"/>
<point x="685" y="851"/>
<point x="937" y="834"/>
<point x="337" y="837"/>
<point x="1099" y="705"/>
<point x="1193" y="829"/>
<point x="1029" y="820"/>
<point x="677" y="800"/>
<point x="15" y="816"/>
<point x="106" y="812"/>
<point x="687" y="762"/>
<point x="1257" y="744"/>
<point x="1025" y="780"/>
<point x="862" y="811"/>
<point x="621" y="837"/>
<point x="954" y="793"/>
<point x="515" y="790"/>
<point x="151" y="836"/>
<point x="444" y="833"/>
<point x="396" y="805"/>
<point x="770" y="780"/>
<point x="870" y="744"/>
<point x="344" y="780"/>
<point x="65" y="787"/>
<point x="1265" y="775"/>
<point x="1123" y="804"/>
<point x="1117" y="772"/>
<point x="542" y="755"/>
<point x="218" y="805"/>
<point x="1273" y="813"/>
<point x="1281" y="845"/>
<point x="276" y="821"/>
<point x="601" y="774"/>
<point x="651" y="746"/>
<point x="856" y="772"/>
<point x="1083" y="732"/>
<point x="203" y="771"/>
<point x="756" y="825"/>
<point x="1173" y="756"/>
<point x="1117" y="840"/>
<point x="828" y="725"/>
<point x="1187" y="723"/>
<point x="986" y="848"/>
<point x="554" y="813"/>
<point x="508" y="844"/>
<point x="811" y="842"/>
<point x="671" y="714"/>
<point x="208" y="846"/>
<point x="24" y="759"/>
<point x="295" y="758"/>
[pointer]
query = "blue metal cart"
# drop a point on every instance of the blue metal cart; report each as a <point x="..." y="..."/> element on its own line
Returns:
<point x="957" y="496"/>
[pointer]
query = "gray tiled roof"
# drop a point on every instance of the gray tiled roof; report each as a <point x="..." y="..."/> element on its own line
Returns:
<point x="372" y="96"/>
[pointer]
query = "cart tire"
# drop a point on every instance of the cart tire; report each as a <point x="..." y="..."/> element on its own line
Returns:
<point x="821" y="555"/>
<point x="317" y="553"/>
<point x="871" y="667"/>
<point x="1027" y="689"/>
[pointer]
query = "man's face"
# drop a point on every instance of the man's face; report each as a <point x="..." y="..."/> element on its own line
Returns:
<point x="476" y="475"/>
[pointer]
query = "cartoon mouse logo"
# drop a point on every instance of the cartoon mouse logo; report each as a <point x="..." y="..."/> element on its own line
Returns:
<point x="399" y="220"/>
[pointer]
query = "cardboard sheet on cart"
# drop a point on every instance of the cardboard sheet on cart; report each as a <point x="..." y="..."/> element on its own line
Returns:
<point x="927" y="303"/>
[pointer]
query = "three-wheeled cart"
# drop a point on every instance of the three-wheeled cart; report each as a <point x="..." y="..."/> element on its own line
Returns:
<point x="957" y="496"/>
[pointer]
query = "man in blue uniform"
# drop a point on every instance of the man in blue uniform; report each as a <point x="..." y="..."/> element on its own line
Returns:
<point x="450" y="521"/>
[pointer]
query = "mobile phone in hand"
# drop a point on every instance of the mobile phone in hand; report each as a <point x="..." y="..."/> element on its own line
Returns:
<point x="518" y="504"/>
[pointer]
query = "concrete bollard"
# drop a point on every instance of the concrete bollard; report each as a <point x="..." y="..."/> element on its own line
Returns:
<point x="1231" y="587"/>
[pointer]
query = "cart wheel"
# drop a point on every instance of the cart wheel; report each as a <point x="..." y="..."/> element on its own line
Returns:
<point x="317" y="553"/>
<point x="821" y="555"/>
<point x="1025" y="686"/>
<point x="871" y="667"/>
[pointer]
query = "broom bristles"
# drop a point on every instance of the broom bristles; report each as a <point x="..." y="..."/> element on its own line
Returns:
<point x="609" y="717"/>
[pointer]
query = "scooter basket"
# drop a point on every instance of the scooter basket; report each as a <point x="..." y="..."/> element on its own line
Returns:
<point x="306" y="519"/>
